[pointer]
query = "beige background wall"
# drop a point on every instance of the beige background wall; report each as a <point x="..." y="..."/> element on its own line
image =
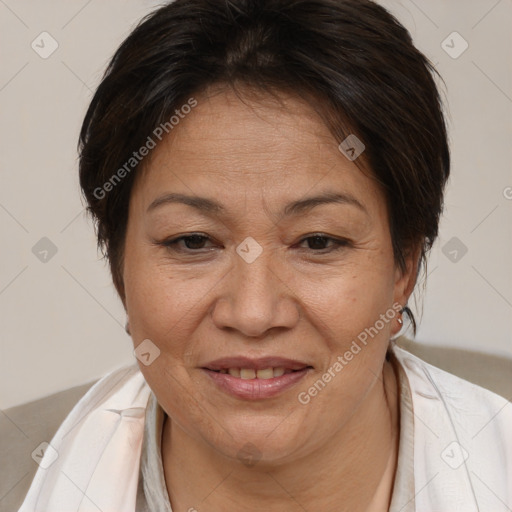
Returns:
<point x="61" y="323"/>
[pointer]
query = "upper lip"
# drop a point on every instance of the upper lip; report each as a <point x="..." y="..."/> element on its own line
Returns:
<point x="260" y="363"/>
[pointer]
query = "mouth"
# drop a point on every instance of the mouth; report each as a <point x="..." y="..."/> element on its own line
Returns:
<point x="251" y="373"/>
<point x="255" y="379"/>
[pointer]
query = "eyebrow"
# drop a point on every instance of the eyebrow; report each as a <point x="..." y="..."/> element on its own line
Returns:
<point x="209" y="206"/>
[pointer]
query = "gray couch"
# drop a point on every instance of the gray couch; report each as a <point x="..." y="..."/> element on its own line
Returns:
<point x="24" y="427"/>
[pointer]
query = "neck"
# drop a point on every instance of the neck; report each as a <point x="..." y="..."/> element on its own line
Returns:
<point x="353" y="471"/>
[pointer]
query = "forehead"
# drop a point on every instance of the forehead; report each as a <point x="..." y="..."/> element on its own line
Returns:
<point x="234" y="147"/>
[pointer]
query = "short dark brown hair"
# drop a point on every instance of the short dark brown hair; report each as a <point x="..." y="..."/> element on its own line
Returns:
<point x="351" y="57"/>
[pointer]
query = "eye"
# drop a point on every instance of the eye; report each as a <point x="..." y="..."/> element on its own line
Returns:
<point x="193" y="242"/>
<point x="317" y="242"/>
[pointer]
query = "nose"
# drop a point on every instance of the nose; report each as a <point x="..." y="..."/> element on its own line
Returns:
<point x="255" y="298"/>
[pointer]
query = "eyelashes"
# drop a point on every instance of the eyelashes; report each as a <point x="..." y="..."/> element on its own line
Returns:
<point x="173" y="243"/>
<point x="188" y="244"/>
<point x="338" y="243"/>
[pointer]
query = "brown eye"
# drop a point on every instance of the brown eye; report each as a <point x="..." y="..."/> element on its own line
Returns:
<point x="318" y="243"/>
<point x="192" y="243"/>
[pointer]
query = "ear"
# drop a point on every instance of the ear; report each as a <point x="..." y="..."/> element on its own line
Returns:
<point x="405" y="280"/>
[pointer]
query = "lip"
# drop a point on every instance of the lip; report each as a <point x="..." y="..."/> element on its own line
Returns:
<point x="256" y="389"/>
<point x="255" y="363"/>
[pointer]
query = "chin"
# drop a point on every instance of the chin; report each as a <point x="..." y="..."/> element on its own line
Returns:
<point x="259" y="440"/>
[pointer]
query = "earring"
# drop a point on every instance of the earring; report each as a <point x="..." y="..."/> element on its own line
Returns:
<point x="127" y="327"/>
<point x="400" y="321"/>
<point x="400" y="325"/>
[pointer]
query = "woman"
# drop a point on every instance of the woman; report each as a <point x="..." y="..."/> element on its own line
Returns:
<point x="267" y="179"/>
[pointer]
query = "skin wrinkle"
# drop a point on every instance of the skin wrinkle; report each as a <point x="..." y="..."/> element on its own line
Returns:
<point x="330" y="454"/>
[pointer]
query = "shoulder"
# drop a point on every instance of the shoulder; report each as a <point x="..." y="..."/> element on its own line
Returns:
<point x="461" y="435"/>
<point x="453" y="391"/>
<point x="485" y="370"/>
<point x="25" y="427"/>
<point x="22" y="429"/>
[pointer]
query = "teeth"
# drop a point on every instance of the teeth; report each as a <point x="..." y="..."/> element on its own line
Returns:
<point x="249" y="373"/>
<point x="267" y="373"/>
<point x="278" y="372"/>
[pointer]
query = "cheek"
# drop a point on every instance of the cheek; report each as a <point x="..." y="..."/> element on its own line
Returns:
<point x="161" y="307"/>
<point x="166" y="303"/>
<point x="345" y="304"/>
<point x="349" y="315"/>
<point x="159" y="300"/>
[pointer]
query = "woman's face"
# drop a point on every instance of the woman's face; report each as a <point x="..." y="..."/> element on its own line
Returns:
<point x="253" y="288"/>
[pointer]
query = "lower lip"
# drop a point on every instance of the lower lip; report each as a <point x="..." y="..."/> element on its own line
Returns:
<point x="256" y="389"/>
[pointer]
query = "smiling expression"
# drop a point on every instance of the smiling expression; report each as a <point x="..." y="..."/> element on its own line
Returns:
<point x="255" y="254"/>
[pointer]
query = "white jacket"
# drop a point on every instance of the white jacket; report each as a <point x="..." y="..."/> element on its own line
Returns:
<point x="462" y="446"/>
<point x="462" y="442"/>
